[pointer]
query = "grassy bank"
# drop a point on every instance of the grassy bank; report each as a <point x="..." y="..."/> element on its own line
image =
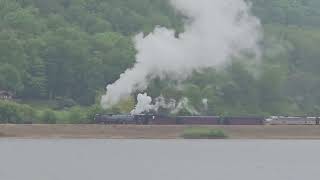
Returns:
<point x="19" y="113"/>
<point x="204" y="133"/>
<point x="94" y="131"/>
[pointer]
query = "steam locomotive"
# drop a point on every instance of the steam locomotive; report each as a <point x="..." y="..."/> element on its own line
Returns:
<point x="123" y="119"/>
<point x="177" y="120"/>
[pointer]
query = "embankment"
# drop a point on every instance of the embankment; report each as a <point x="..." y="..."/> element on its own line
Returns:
<point x="153" y="132"/>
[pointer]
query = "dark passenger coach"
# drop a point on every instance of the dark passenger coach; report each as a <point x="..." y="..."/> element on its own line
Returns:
<point x="243" y="121"/>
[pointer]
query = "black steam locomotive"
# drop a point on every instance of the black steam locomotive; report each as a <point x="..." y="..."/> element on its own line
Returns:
<point x="177" y="120"/>
<point x="122" y="119"/>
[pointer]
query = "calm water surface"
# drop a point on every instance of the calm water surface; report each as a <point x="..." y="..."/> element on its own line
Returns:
<point x="159" y="160"/>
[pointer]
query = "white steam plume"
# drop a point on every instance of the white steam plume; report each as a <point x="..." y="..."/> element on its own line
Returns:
<point x="184" y="104"/>
<point x="145" y="104"/>
<point x="205" y="104"/>
<point x="217" y="31"/>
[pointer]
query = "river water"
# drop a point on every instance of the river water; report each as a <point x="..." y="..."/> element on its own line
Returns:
<point x="159" y="160"/>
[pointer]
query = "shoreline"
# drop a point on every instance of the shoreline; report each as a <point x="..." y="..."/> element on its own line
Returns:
<point x="37" y="131"/>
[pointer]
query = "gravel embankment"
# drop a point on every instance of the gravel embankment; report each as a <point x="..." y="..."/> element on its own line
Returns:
<point x="153" y="132"/>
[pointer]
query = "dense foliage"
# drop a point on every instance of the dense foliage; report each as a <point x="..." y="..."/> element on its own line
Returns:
<point x="70" y="49"/>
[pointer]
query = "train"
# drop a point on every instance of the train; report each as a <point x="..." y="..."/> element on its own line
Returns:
<point x="146" y="119"/>
<point x="176" y="120"/>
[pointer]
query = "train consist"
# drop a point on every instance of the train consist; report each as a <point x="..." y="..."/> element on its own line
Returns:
<point x="202" y="120"/>
<point x="177" y="120"/>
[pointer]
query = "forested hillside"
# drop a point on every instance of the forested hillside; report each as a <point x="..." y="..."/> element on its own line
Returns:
<point x="71" y="49"/>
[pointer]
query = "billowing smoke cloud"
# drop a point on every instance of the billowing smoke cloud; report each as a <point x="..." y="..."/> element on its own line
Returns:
<point x="145" y="104"/>
<point x="184" y="104"/>
<point x="205" y="104"/>
<point x="217" y="31"/>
